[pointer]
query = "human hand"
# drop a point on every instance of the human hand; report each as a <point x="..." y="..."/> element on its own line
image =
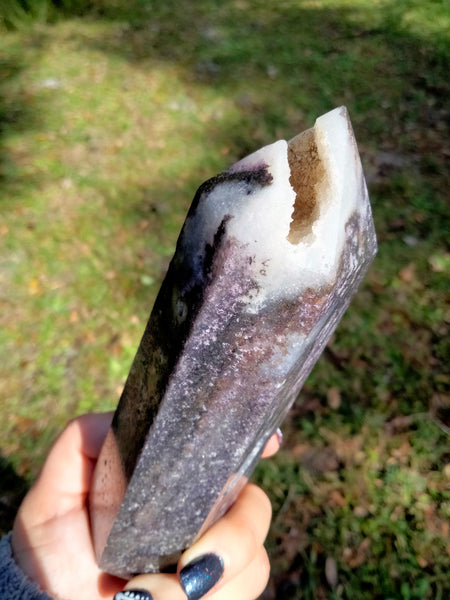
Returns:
<point x="52" y="541"/>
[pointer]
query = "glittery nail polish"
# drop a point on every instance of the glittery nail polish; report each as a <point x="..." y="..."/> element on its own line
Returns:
<point x="279" y="435"/>
<point x="133" y="595"/>
<point x="200" y="575"/>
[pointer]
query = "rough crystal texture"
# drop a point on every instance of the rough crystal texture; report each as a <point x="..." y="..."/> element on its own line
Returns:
<point x="269" y="257"/>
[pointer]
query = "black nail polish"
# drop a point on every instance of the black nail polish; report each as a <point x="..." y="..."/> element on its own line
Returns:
<point x="133" y="595"/>
<point x="199" y="576"/>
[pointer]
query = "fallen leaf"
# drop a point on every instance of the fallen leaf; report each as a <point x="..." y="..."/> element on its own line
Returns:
<point x="397" y="514"/>
<point x="89" y="337"/>
<point x="337" y="499"/>
<point x="24" y="467"/>
<point x="403" y="452"/>
<point x="9" y="449"/>
<point x="334" y="398"/>
<point x="398" y="424"/>
<point x="331" y="571"/>
<point x="34" y="287"/>
<point x="320" y="460"/>
<point x="355" y="557"/>
<point x="349" y="450"/>
<point x="299" y="450"/>
<point x="423" y="563"/>
<point x="446" y="471"/>
<point x="22" y="424"/>
<point x="408" y="274"/>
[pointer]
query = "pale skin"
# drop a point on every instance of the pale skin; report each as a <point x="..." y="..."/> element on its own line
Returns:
<point x="52" y="541"/>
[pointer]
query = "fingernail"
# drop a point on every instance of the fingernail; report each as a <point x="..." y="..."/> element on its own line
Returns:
<point x="279" y="435"/>
<point x="200" y="575"/>
<point x="133" y="595"/>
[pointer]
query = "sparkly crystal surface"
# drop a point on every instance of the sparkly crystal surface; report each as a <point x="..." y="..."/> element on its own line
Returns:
<point x="267" y="262"/>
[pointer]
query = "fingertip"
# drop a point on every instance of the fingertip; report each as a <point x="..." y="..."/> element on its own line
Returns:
<point x="273" y="445"/>
<point x="199" y="576"/>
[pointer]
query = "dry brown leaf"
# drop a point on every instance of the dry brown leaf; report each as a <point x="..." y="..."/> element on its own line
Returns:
<point x="34" y="287"/>
<point x="399" y="424"/>
<point x="24" y="467"/>
<point x="320" y="460"/>
<point x="446" y="471"/>
<point x="348" y="450"/>
<point x="331" y="571"/>
<point x="89" y="337"/>
<point x="422" y="562"/>
<point x="403" y="452"/>
<point x="299" y="450"/>
<point x="408" y="273"/>
<point x="334" y="398"/>
<point x="22" y="424"/>
<point x="337" y="499"/>
<point x="355" y="557"/>
<point x="9" y="449"/>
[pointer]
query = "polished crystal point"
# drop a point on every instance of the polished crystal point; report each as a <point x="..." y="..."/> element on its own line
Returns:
<point x="269" y="257"/>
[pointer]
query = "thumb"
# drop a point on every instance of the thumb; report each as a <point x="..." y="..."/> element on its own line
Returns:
<point x="66" y="475"/>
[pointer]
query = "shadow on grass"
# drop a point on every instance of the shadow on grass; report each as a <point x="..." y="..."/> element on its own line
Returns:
<point x="13" y="489"/>
<point x="298" y="57"/>
<point x="15" y="116"/>
<point x="20" y="111"/>
<point x="283" y="65"/>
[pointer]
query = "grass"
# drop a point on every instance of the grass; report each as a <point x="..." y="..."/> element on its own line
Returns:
<point x="111" y="114"/>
